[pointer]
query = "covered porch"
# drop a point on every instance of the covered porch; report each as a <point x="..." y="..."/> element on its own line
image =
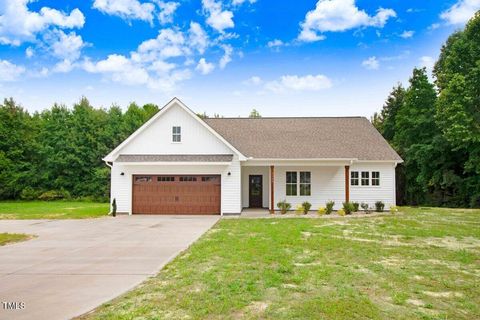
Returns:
<point x="266" y="182"/>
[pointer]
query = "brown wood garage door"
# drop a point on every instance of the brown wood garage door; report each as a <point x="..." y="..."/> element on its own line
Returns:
<point x="176" y="194"/>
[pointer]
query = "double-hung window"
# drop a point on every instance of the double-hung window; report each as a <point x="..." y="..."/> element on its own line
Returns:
<point x="305" y="183"/>
<point x="176" y="134"/>
<point x="291" y="183"/>
<point x="365" y="178"/>
<point x="375" y="178"/>
<point x="354" y="178"/>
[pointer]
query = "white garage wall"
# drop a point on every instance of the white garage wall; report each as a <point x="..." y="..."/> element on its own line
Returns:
<point x="370" y="194"/>
<point x="230" y="193"/>
<point x="265" y="173"/>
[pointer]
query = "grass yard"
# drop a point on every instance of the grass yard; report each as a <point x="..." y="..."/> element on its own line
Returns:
<point x="420" y="264"/>
<point x="52" y="209"/>
<point x="6" y="238"/>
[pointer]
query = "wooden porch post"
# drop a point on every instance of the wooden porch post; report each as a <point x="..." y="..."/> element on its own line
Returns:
<point x="347" y="183"/>
<point x="272" y="184"/>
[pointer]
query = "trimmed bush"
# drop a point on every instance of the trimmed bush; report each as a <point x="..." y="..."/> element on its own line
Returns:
<point x="348" y="207"/>
<point x="284" y="206"/>
<point x="329" y="206"/>
<point x="341" y="212"/>
<point x="355" y="206"/>
<point x="379" y="206"/>
<point x="299" y="209"/>
<point x="321" y="211"/>
<point x="29" y="194"/>
<point x="306" y="207"/>
<point x="365" y="207"/>
<point x="54" y="195"/>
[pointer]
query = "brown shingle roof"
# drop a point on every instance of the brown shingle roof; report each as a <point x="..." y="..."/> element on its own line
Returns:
<point x="175" y="157"/>
<point x="305" y="138"/>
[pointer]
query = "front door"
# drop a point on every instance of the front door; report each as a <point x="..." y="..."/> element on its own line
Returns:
<point x="255" y="191"/>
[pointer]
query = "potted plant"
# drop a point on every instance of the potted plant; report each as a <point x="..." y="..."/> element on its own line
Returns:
<point x="306" y="207"/>
<point x="284" y="206"/>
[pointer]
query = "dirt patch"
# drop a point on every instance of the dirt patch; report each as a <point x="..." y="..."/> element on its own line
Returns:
<point x="390" y="262"/>
<point x="444" y="294"/>
<point x="257" y="307"/>
<point x="306" y="234"/>
<point x="453" y="243"/>
<point x="416" y="302"/>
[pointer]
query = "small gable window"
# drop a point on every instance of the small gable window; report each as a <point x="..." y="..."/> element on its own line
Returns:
<point x="176" y="134"/>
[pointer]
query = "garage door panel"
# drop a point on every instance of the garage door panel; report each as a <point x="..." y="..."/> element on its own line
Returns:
<point x="176" y="194"/>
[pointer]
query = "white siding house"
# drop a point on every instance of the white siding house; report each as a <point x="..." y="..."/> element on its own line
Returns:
<point x="179" y="163"/>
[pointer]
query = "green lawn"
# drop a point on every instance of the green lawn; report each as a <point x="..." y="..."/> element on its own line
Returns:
<point x="52" y="209"/>
<point x="6" y="238"/>
<point x="420" y="264"/>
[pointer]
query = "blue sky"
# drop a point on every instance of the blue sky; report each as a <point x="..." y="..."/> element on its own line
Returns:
<point x="284" y="58"/>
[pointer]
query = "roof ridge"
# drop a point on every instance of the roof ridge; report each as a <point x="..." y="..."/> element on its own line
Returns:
<point x="293" y="117"/>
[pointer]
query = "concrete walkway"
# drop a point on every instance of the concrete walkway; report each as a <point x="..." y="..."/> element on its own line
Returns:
<point x="75" y="265"/>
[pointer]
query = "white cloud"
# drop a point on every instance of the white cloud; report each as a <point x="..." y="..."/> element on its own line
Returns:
<point x="460" y="12"/>
<point x="339" y="15"/>
<point x="254" y="81"/>
<point x="66" y="47"/>
<point x="407" y="34"/>
<point x="371" y="63"/>
<point x="217" y="18"/>
<point x="198" y="37"/>
<point x="299" y="83"/>
<point x="275" y="43"/>
<point x="167" y="9"/>
<point x="29" y="52"/>
<point x="18" y="24"/>
<point x="9" y="71"/>
<point x="434" y="26"/>
<point x="169" y="43"/>
<point x="204" y="67"/>
<point x="428" y="62"/>
<point x="239" y="2"/>
<point x="126" y="9"/>
<point x="227" y="56"/>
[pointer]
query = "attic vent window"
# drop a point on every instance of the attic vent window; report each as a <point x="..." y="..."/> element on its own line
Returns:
<point x="176" y="134"/>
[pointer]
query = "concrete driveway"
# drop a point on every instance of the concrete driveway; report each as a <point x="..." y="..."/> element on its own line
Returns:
<point x="75" y="265"/>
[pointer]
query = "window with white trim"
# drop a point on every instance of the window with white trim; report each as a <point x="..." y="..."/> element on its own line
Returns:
<point x="176" y="134"/>
<point x="291" y="185"/>
<point x="305" y="183"/>
<point x="375" y="178"/>
<point x="365" y="178"/>
<point x="354" y="179"/>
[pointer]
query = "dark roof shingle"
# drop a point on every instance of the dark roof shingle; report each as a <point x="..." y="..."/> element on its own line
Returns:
<point x="305" y="138"/>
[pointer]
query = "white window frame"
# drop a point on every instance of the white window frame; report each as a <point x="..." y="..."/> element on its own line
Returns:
<point x="176" y="134"/>
<point x="376" y="179"/>
<point x="357" y="179"/>
<point x="365" y="179"/>
<point x="300" y="183"/>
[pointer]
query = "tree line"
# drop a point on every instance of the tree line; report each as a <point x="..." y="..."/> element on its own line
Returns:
<point x="435" y="127"/>
<point x="59" y="151"/>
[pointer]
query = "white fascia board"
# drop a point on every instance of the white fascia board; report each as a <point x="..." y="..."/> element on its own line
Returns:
<point x="112" y="155"/>
<point x="173" y="163"/>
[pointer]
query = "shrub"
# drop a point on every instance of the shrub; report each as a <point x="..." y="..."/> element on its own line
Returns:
<point x="347" y="207"/>
<point x="379" y="206"/>
<point x="393" y="209"/>
<point x="355" y="206"/>
<point x="329" y="206"/>
<point x="321" y="211"/>
<point x="365" y="207"/>
<point x="341" y="212"/>
<point x="306" y="207"/>
<point x="299" y="209"/>
<point x="284" y="206"/>
<point x="54" y="195"/>
<point x="29" y="194"/>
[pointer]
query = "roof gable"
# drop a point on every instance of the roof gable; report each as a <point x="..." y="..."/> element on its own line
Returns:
<point x="154" y="136"/>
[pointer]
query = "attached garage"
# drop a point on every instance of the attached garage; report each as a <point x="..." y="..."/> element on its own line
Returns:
<point x="176" y="194"/>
